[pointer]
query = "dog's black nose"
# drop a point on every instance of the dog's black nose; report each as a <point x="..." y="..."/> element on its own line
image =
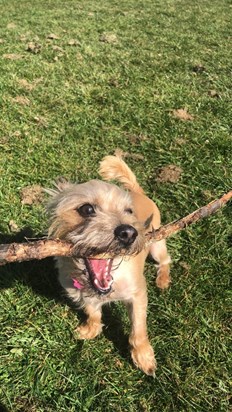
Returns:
<point x="126" y="234"/>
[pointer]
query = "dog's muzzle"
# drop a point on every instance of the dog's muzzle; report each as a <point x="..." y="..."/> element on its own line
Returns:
<point x="99" y="264"/>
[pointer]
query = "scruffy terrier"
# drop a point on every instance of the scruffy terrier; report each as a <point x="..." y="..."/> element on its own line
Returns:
<point x="107" y="226"/>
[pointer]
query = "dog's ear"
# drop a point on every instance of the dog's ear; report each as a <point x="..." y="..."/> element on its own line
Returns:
<point x="61" y="183"/>
<point x="148" y="222"/>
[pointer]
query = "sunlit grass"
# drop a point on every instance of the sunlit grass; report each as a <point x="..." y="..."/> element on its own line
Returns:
<point x="100" y="76"/>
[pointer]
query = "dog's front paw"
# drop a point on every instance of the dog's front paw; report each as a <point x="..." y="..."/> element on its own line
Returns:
<point x="89" y="330"/>
<point x="163" y="279"/>
<point x="144" y="358"/>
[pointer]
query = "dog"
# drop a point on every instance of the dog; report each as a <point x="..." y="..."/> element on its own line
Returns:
<point x="107" y="225"/>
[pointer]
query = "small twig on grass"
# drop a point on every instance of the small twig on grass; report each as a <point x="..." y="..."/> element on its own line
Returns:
<point x="18" y="252"/>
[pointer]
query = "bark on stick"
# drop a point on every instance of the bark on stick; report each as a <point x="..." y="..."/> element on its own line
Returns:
<point x="40" y="249"/>
<point x="167" y="230"/>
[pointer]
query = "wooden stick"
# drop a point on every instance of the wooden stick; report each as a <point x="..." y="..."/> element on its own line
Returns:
<point x="40" y="249"/>
<point x="167" y="230"/>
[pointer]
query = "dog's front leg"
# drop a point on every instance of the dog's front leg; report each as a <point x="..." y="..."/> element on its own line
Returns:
<point x="93" y="326"/>
<point x="141" y="350"/>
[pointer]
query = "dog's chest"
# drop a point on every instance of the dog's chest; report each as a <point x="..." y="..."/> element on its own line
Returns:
<point x="128" y="279"/>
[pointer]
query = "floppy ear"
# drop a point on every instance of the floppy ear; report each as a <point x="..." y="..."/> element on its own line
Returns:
<point x="61" y="183"/>
<point x="148" y="222"/>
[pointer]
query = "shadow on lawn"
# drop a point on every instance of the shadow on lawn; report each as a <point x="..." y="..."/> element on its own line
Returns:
<point x="41" y="277"/>
<point x="3" y="408"/>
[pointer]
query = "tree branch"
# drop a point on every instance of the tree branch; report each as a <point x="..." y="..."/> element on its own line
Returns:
<point x="167" y="230"/>
<point x="40" y="249"/>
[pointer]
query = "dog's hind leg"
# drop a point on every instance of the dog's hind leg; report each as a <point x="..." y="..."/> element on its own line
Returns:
<point x="158" y="251"/>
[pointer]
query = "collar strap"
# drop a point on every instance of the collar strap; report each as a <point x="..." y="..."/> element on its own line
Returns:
<point x="77" y="284"/>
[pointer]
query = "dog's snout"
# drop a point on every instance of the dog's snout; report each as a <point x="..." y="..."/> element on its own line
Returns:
<point x="126" y="234"/>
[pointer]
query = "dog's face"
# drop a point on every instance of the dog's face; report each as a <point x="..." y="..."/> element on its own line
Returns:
<point x="97" y="218"/>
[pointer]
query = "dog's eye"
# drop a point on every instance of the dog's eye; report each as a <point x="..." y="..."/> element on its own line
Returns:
<point x="86" y="210"/>
<point x="129" y="211"/>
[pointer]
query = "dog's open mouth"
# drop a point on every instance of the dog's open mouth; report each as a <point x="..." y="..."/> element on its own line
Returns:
<point x="100" y="274"/>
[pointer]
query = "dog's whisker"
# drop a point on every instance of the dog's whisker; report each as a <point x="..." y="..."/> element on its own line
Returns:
<point x="116" y="265"/>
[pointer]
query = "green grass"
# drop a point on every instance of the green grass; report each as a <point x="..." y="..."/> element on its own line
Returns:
<point x="87" y="100"/>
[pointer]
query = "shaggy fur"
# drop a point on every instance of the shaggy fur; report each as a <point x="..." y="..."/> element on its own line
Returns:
<point x="102" y="218"/>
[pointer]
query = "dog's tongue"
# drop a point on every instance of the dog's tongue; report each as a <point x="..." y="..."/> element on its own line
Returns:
<point x="100" y="271"/>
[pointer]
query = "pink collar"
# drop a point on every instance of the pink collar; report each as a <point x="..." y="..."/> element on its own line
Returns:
<point x="77" y="284"/>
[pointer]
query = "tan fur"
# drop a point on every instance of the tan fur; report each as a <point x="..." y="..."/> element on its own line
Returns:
<point x="114" y="168"/>
<point x="113" y="208"/>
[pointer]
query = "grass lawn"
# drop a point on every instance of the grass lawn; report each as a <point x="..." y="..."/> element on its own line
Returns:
<point x="78" y="80"/>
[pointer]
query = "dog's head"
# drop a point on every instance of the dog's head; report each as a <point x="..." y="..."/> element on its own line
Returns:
<point x="97" y="218"/>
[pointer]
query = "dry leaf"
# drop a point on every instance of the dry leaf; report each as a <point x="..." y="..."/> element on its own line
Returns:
<point x="13" y="226"/>
<point x="118" y="363"/>
<point x="119" y="152"/>
<point x="170" y="173"/>
<point x="213" y="93"/>
<point x="23" y="37"/>
<point x="136" y="138"/>
<point x="180" y="141"/>
<point x="74" y="42"/>
<point x="109" y="38"/>
<point x="41" y="121"/>
<point x="26" y="85"/>
<point x="52" y="36"/>
<point x="56" y="58"/>
<point x="114" y="82"/>
<point x="11" y="25"/>
<point x="137" y="156"/>
<point x="57" y="48"/>
<point x="24" y="101"/>
<point x="182" y="114"/>
<point x="1" y="41"/>
<point x="17" y="133"/>
<point x="31" y="194"/>
<point x="33" y="47"/>
<point x="12" y="56"/>
<point x="198" y="68"/>
<point x="184" y="265"/>
<point x="208" y="195"/>
<point x="79" y="56"/>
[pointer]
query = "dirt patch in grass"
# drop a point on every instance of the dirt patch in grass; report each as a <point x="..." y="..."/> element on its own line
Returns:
<point x="182" y="114"/>
<point x="31" y="195"/>
<point x="12" y="56"/>
<point x="22" y="100"/>
<point x="110" y="38"/>
<point x="170" y="173"/>
<point x="34" y="48"/>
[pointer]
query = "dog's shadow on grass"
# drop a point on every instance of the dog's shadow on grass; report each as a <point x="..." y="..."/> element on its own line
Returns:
<point x="41" y="277"/>
<point x="114" y="330"/>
